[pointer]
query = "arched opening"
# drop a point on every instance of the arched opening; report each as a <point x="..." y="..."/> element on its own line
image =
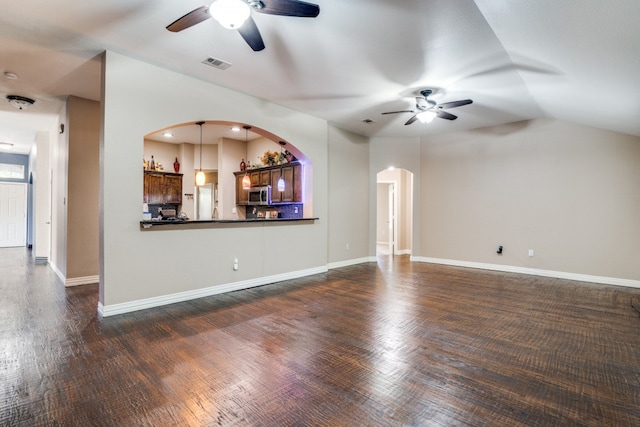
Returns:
<point x="222" y="151"/>
<point x="394" y="212"/>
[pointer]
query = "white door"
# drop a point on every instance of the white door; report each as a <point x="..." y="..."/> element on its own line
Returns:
<point x="204" y="201"/>
<point x="13" y="215"/>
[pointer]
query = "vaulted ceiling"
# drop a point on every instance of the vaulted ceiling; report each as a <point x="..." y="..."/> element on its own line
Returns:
<point x="517" y="60"/>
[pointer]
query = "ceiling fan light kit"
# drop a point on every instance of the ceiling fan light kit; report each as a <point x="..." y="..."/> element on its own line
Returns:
<point x="427" y="109"/>
<point x="20" y="102"/>
<point x="231" y="14"/>
<point x="427" y="116"/>
<point x="236" y="15"/>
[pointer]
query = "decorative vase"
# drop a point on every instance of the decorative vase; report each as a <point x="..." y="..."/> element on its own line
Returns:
<point x="176" y="166"/>
<point x="243" y="165"/>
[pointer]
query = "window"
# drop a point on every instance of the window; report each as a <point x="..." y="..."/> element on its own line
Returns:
<point x="8" y="171"/>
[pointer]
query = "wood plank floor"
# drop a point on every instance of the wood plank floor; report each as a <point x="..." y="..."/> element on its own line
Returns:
<point x="387" y="344"/>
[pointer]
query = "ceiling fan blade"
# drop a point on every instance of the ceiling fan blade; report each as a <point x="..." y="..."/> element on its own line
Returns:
<point x="454" y="104"/>
<point x="192" y="18"/>
<point x="411" y="120"/>
<point x="289" y="8"/>
<point x="445" y="115"/>
<point x="250" y="33"/>
<point x="396" y="112"/>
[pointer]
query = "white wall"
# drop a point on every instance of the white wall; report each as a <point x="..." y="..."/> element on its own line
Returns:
<point x="58" y="163"/>
<point x="567" y="191"/>
<point x="42" y="187"/>
<point x="139" y="98"/>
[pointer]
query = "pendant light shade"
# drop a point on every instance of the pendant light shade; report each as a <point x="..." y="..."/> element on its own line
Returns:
<point x="246" y="181"/>
<point x="200" y="178"/>
<point x="281" y="180"/>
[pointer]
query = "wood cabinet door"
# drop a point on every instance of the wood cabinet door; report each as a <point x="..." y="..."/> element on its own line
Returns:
<point x="145" y="190"/>
<point x="297" y="183"/>
<point x="255" y="179"/>
<point x="242" y="196"/>
<point x="276" y="196"/>
<point x="289" y="184"/>
<point x="173" y="189"/>
<point x="265" y="177"/>
<point x="155" y="188"/>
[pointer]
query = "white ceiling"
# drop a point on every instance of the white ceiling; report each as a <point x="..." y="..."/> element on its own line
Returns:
<point x="517" y="60"/>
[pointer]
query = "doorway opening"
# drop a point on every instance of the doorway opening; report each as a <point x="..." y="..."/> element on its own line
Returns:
<point x="394" y="212"/>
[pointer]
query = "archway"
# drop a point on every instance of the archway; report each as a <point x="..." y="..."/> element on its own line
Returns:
<point x="394" y="212"/>
<point x="226" y="148"/>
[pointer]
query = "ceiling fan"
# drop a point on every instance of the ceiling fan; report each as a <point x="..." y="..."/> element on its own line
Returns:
<point x="428" y="109"/>
<point x="236" y="15"/>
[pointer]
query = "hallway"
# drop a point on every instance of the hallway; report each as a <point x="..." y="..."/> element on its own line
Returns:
<point x="387" y="343"/>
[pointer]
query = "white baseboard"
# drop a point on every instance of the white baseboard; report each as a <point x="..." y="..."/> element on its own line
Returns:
<point x="533" y="271"/>
<point x="58" y="272"/>
<point x="349" y="262"/>
<point x="86" y="280"/>
<point x="403" y="252"/>
<point x="127" y="307"/>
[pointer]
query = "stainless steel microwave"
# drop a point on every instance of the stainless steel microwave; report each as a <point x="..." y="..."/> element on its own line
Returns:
<point x="260" y="195"/>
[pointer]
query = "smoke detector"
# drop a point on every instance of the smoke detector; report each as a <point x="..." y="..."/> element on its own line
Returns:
<point x="20" y="102"/>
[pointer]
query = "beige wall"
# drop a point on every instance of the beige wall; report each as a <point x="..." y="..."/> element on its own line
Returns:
<point x="83" y="181"/>
<point x="140" y="98"/>
<point x="568" y="192"/>
<point x="348" y="197"/>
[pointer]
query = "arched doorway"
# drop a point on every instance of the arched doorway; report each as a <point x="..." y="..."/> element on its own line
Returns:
<point x="394" y="212"/>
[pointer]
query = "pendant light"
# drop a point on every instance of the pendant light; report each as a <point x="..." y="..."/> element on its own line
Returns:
<point x="200" y="179"/>
<point x="281" y="180"/>
<point x="246" y="181"/>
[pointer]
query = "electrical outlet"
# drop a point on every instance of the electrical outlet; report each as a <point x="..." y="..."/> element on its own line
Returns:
<point x="347" y="246"/>
<point x="235" y="264"/>
<point x="530" y="252"/>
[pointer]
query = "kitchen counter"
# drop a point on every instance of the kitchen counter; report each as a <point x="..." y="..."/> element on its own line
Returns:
<point x="220" y="223"/>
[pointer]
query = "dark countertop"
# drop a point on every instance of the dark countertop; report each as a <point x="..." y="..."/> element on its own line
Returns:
<point x="213" y="223"/>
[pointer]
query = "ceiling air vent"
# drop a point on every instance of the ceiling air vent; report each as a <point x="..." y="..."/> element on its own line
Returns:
<point x="217" y="63"/>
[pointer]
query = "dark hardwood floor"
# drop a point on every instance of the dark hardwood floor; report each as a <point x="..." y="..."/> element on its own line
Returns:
<point x="388" y="344"/>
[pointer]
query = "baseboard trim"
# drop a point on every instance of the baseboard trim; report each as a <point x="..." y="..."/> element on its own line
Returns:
<point x="58" y="272"/>
<point x="86" y="280"/>
<point x="127" y="307"/>
<point x="349" y="262"/>
<point x="403" y="252"/>
<point x="533" y="271"/>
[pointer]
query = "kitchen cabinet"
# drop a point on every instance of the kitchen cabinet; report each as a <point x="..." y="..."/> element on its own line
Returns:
<point x="242" y="196"/>
<point x="162" y="187"/>
<point x="290" y="172"/>
<point x="260" y="177"/>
